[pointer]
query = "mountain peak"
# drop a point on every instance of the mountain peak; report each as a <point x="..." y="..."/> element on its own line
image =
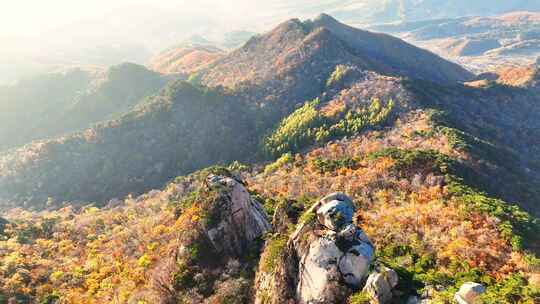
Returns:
<point x="294" y="45"/>
<point x="323" y="19"/>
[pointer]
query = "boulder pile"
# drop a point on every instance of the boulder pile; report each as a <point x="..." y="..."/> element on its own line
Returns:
<point x="338" y="252"/>
<point x="325" y="259"/>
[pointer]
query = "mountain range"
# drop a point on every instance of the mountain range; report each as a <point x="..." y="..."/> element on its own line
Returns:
<point x="266" y="78"/>
<point x="372" y="11"/>
<point x="479" y="43"/>
<point x="210" y="183"/>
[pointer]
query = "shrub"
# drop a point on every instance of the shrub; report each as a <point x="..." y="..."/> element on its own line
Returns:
<point x="324" y="165"/>
<point x="144" y="261"/>
<point x="412" y="160"/>
<point x="336" y="78"/>
<point x="359" y="298"/>
<point x="273" y="252"/>
<point x="280" y="162"/>
<point x="184" y="278"/>
<point x="52" y="298"/>
<point x="296" y="131"/>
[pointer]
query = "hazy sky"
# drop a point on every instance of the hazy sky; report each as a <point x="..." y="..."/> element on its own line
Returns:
<point x="60" y="24"/>
<point x="37" y="34"/>
<point x="41" y="33"/>
<point x="63" y="22"/>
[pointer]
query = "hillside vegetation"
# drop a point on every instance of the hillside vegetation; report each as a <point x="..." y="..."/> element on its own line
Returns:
<point x="442" y="177"/>
<point x="181" y="130"/>
<point x="56" y="104"/>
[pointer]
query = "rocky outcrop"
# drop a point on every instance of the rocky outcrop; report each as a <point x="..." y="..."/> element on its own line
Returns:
<point x="339" y="252"/>
<point x="220" y="227"/>
<point x="469" y="293"/>
<point x="380" y="284"/>
<point x="326" y="258"/>
<point x="242" y="219"/>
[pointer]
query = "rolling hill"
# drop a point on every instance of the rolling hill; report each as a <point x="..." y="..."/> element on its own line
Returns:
<point x="56" y="104"/>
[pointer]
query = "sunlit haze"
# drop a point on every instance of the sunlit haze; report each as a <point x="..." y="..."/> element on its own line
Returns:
<point x="37" y="33"/>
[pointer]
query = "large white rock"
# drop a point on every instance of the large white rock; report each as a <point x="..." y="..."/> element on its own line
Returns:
<point x="469" y="293"/>
<point x="354" y="263"/>
<point x="379" y="285"/>
<point x="335" y="214"/>
<point x="318" y="269"/>
<point x="339" y="253"/>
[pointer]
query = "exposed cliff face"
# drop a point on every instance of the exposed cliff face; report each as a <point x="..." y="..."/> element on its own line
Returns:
<point x="241" y="218"/>
<point x="220" y="231"/>
<point x="325" y="259"/>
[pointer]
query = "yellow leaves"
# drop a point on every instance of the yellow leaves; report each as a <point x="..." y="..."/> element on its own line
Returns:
<point x="161" y="229"/>
<point x="94" y="255"/>
<point x="132" y="216"/>
<point x="382" y="196"/>
<point x="384" y="163"/>
<point x="195" y="218"/>
<point x="92" y="285"/>
<point x="92" y="264"/>
<point x="144" y="261"/>
<point x="13" y="259"/>
<point x="66" y="247"/>
<point x="152" y="246"/>
<point x="189" y="217"/>
<point x="91" y="210"/>
<point x="455" y="248"/>
<point x="16" y="280"/>
<point x="56" y="276"/>
<point x="333" y="108"/>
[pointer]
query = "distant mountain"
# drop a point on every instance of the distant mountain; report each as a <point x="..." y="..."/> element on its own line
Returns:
<point x="523" y="77"/>
<point x="15" y="64"/>
<point x="235" y="39"/>
<point x="180" y="130"/>
<point x="59" y="103"/>
<point x="376" y="11"/>
<point x="292" y="61"/>
<point x="512" y="36"/>
<point x="196" y="52"/>
<point x="185" y="59"/>
<point x="268" y="77"/>
<point x="31" y="100"/>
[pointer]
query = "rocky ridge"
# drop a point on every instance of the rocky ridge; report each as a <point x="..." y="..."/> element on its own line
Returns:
<point x="325" y="258"/>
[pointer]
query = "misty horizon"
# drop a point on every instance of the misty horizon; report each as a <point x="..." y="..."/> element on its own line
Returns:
<point x="39" y="35"/>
